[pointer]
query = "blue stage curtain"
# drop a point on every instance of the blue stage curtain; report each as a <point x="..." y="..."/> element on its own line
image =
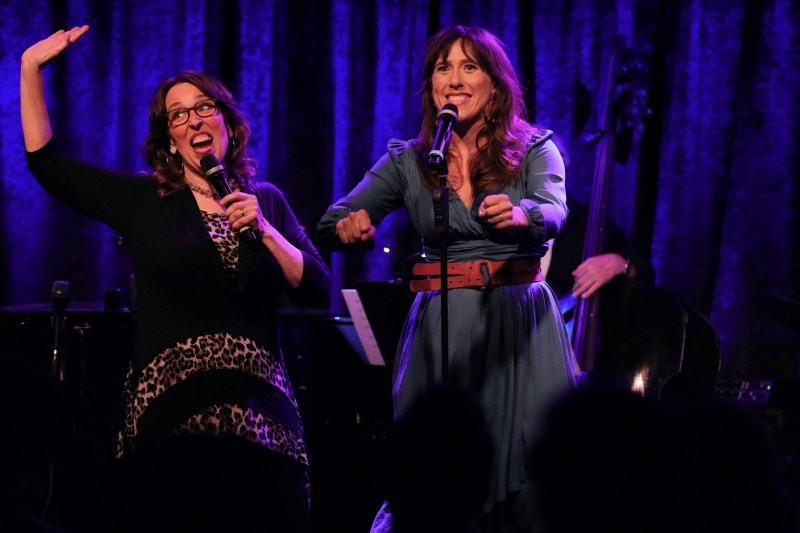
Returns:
<point x="327" y="84"/>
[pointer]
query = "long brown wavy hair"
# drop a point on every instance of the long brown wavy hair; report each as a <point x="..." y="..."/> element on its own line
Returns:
<point x="168" y="168"/>
<point x="504" y="136"/>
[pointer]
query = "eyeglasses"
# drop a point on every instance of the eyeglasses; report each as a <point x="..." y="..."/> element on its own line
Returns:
<point x="180" y="115"/>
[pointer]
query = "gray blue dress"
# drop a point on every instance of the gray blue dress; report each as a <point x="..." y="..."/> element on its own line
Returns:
<point x="508" y="344"/>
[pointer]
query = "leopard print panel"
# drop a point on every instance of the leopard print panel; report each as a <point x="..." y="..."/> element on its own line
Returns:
<point x="212" y="352"/>
<point x="243" y="422"/>
<point x="226" y="241"/>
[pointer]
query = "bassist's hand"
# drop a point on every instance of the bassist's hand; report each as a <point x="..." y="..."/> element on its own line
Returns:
<point x="596" y="272"/>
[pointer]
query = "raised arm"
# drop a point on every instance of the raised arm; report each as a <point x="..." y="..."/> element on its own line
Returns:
<point x="352" y="219"/>
<point x="33" y="107"/>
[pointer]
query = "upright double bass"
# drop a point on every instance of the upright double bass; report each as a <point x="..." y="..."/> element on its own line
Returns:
<point x="623" y="112"/>
<point x="649" y="340"/>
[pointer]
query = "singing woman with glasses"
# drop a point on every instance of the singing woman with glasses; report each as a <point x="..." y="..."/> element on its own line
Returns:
<point x="210" y="416"/>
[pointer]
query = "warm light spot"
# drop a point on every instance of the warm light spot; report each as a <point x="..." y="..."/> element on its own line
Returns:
<point x="638" y="382"/>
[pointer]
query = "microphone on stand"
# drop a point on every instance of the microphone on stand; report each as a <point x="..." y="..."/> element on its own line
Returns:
<point x="447" y="118"/>
<point x="215" y="174"/>
<point x="60" y="295"/>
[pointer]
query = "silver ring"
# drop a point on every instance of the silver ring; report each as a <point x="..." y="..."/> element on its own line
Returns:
<point x="242" y="215"/>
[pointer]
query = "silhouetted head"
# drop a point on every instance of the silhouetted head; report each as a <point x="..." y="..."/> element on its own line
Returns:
<point x="438" y="462"/>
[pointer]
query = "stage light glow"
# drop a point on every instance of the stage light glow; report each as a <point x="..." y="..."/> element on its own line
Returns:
<point x="638" y="382"/>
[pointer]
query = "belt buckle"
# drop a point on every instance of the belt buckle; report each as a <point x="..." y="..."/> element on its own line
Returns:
<point x="479" y="276"/>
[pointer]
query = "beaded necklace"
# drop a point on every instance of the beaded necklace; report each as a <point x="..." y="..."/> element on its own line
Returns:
<point x="205" y="192"/>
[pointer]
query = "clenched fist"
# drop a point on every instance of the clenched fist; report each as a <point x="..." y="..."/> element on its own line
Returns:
<point x="356" y="227"/>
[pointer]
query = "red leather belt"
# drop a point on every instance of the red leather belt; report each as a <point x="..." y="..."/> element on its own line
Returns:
<point x="483" y="274"/>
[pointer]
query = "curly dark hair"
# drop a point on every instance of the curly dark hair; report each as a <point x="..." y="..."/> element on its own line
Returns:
<point x="503" y="139"/>
<point x="167" y="168"/>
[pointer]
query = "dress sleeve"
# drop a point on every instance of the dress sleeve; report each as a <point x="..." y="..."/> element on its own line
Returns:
<point x="544" y="199"/>
<point x="380" y="192"/>
<point x="99" y="193"/>
<point x="313" y="290"/>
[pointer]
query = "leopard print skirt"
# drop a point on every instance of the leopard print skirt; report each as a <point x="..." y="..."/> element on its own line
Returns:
<point x="213" y="352"/>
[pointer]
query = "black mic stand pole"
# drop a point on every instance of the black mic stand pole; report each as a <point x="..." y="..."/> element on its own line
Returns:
<point x="441" y="223"/>
<point x="60" y="295"/>
<point x="53" y="506"/>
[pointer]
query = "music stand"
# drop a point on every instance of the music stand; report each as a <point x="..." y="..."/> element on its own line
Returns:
<point x="378" y="322"/>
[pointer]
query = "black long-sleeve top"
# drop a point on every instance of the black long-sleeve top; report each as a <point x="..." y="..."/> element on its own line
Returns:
<point x="182" y="289"/>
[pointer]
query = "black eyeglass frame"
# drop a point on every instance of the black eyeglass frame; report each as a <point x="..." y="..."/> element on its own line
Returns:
<point x="193" y="108"/>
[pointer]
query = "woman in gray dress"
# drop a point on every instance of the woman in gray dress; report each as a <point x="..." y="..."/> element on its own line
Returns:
<point x="507" y="342"/>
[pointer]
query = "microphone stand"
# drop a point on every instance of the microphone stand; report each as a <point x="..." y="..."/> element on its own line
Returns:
<point x="441" y="223"/>
<point x="54" y="504"/>
<point x="437" y="160"/>
<point x="60" y="295"/>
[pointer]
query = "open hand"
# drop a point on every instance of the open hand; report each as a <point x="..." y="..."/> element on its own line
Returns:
<point x="500" y="214"/>
<point x="41" y="53"/>
<point x="596" y="272"/>
<point x="356" y="227"/>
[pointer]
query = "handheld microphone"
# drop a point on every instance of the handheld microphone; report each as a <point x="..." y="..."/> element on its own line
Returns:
<point x="215" y="174"/>
<point x="446" y="119"/>
<point x="60" y="296"/>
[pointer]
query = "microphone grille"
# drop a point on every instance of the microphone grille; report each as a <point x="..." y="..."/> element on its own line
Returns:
<point x="208" y="162"/>
<point x="449" y="109"/>
<point x="60" y="289"/>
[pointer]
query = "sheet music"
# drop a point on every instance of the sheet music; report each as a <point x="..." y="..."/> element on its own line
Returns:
<point x="364" y="330"/>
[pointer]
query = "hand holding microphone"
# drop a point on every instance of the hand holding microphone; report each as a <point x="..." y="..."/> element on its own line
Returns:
<point x="215" y="174"/>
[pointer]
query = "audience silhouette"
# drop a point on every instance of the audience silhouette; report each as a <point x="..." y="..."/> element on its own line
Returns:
<point x="627" y="463"/>
<point x="438" y="463"/>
